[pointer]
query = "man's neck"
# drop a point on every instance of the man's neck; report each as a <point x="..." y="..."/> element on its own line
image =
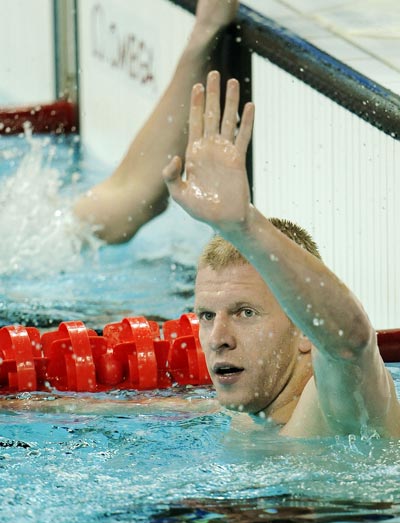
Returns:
<point x="281" y="410"/>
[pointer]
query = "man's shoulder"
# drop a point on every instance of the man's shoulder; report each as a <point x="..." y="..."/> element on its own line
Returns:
<point x="307" y="419"/>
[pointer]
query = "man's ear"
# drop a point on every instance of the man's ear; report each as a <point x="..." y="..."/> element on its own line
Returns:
<point x="304" y="344"/>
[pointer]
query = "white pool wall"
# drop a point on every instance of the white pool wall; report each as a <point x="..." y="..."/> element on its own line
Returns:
<point x="320" y="165"/>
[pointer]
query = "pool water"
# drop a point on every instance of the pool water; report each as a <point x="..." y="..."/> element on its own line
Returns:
<point x="52" y="270"/>
<point x="168" y="456"/>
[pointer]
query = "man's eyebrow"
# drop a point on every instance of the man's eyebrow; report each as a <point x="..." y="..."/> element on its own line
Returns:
<point x="243" y="304"/>
<point x="240" y="305"/>
<point x="198" y="310"/>
<point x="232" y="307"/>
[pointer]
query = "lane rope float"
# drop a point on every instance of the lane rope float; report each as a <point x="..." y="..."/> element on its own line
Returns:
<point x="131" y="354"/>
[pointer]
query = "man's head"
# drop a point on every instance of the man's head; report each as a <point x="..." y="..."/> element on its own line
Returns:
<point x="219" y="253"/>
<point x="252" y="348"/>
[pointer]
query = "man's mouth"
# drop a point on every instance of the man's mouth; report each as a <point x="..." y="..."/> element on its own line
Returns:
<point x="222" y="370"/>
<point x="227" y="373"/>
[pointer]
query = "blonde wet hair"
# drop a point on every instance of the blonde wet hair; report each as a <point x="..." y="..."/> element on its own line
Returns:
<point x="219" y="253"/>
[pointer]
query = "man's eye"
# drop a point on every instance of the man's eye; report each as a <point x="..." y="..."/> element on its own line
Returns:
<point x="207" y="316"/>
<point x="247" y="313"/>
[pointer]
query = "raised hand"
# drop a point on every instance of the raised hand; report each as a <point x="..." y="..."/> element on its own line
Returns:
<point x="215" y="189"/>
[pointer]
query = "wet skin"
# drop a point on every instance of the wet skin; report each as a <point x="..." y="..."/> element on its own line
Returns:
<point x="251" y="346"/>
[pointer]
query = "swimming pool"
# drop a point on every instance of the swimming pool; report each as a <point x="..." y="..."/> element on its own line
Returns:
<point x="173" y="456"/>
<point x="169" y="455"/>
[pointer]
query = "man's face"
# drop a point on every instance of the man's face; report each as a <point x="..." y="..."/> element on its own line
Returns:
<point x="248" y="341"/>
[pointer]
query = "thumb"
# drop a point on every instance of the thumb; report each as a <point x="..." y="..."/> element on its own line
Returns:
<point x="172" y="174"/>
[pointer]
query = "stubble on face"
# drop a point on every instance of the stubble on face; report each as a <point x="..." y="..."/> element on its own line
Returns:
<point x="242" y="326"/>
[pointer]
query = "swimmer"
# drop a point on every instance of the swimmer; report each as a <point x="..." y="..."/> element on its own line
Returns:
<point x="135" y="192"/>
<point x="283" y="337"/>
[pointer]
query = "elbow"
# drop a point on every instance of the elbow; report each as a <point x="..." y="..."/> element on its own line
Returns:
<point x="121" y="229"/>
<point x="361" y="337"/>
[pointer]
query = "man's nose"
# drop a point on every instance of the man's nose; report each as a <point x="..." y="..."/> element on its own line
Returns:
<point x="221" y="336"/>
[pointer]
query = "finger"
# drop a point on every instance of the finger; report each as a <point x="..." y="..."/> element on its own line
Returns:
<point x="212" y="113"/>
<point x="172" y="178"/>
<point x="196" y="113"/>
<point x="172" y="172"/>
<point x="246" y="127"/>
<point x="229" y="120"/>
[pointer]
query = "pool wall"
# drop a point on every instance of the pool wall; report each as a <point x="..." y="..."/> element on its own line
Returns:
<point x="325" y="167"/>
<point x="27" y="52"/>
<point x="325" y="145"/>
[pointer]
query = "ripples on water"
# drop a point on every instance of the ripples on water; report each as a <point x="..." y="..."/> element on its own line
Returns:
<point x="184" y="461"/>
<point x="53" y="269"/>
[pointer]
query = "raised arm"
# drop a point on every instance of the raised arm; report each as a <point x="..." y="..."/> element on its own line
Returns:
<point x="135" y="192"/>
<point x="354" y="390"/>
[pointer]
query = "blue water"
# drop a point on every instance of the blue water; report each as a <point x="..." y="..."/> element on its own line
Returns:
<point x="173" y="456"/>
<point x="48" y="271"/>
<point x="160" y="456"/>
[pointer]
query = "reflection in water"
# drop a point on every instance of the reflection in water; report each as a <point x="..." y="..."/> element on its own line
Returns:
<point x="282" y="509"/>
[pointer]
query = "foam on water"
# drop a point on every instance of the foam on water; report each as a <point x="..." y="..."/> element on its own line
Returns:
<point x="38" y="230"/>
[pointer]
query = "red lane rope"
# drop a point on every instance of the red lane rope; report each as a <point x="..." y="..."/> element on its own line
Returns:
<point x="58" y="117"/>
<point x="389" y="345"/>
<point x="129" y="355"/>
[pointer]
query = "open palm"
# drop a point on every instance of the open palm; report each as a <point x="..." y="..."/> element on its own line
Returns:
<point x="215" y="189"/>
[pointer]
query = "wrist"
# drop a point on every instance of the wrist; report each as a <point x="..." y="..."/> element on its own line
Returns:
<point x="239" y="226"/>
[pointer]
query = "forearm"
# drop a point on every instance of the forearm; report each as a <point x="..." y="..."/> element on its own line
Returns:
<point x="170" y="117"/>
<point x="135" y="192"/>
<point x="312" y="296"/>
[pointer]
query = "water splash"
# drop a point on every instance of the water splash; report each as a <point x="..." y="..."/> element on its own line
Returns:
<point x="38" y="230"/>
